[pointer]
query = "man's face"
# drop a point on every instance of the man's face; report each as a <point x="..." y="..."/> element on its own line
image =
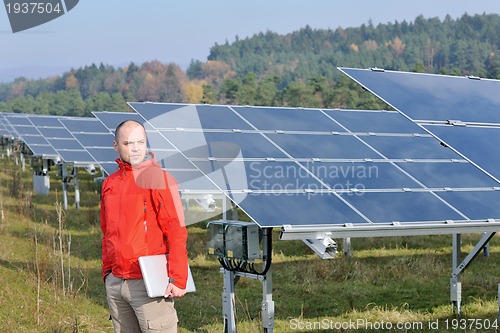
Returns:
<point x="131" y="143"/>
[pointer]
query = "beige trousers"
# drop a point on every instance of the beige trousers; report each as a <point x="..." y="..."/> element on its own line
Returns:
<point x="133" y="311"/>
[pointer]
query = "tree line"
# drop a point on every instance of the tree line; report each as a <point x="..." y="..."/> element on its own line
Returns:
<point x="298" y="69"/>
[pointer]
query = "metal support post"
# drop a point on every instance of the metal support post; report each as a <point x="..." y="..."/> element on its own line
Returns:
<point x="23" y="163"/>
<point x="225" y="199"/>
<point x="65" y="194"/>
<point x="458" y="267"/>
<point x="267" y="312"/>
<point x="77" y="189"/>
<point x="228" y="302"/>
<point x="347" y="247"/>
<point x="499" y="303"/>
<point x="455" y="283"/>
<point x="486" y="250"/>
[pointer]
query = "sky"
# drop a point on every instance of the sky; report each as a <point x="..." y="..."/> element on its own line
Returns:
<point x="117" y="32"/>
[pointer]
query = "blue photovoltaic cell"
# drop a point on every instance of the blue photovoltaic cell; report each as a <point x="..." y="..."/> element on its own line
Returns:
<point x="288" y="119"/>
<point x="84" y="125"/>
<point x="50" y="132"/>
<point x="74" y="156"/>
<point x="26" y="130"/>
<point x="95" y="139"/>
<point x="11" y="130"/>
<point x="4" y="132"/>
<point x="43" y="150"/>
<point x="104" y="154"/>
<point x="401" y="206"/>
<point x="475" y="204"/>
<point x="409" y="147"/>
<point x="453" y="175"/>
<point x="112" y="119"/>
<point x="193" y="181"/>
<point x="45" y="121"/>
<point x="343" y="176"/>
<point x="222" y="144"/>
<point x="274" y="210"/>
<point x="174" y="160"/>
<point x="169" y="116"/>
<point x="374" y="121"/>
<point x="157" y="141"/>
<point x="65" y="144"/>
<point x="18" y="120"/>
<point x="479" y="144"/>
<point x="35" y="140"/>
<point x="433" y="97"/>
<point x="323" y="146"/>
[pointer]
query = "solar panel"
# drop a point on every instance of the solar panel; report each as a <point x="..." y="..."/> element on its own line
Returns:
<point x="202" y="116"/>
<point x="288" y="119"/>
<point x="374" y="121"/>
<point x="111" y="120"/>
<point x="475" y="143"/>
<point x="433" y="97"/>
<point x="462" y="112"/>
<point x="11" y="133"/>
<point x="68" y="148"/>
<point x="354" y="169"/>
<point x="96" y="140"/>
<point x="24" y="130"/>
<point x="4" y="132"/>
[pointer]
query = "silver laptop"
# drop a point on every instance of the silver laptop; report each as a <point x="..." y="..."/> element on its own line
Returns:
<point x="155" y="273"/>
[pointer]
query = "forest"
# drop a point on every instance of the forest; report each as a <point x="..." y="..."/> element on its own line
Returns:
<point x="298" y="69"/>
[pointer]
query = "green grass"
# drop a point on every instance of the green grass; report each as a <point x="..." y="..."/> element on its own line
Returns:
<point x="389" y="280"/>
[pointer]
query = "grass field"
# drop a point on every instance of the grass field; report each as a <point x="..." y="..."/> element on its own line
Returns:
<point x="50" y="276"/>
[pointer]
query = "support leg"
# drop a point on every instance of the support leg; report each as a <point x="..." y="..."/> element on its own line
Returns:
<point x="455" y="294"/>
<point x="455" y="283"/>
<point x="65" y="195"/>
<point x="347" y="247"/>
<point x="77" y="188"/>
<point x="228" y="302"/>
<point x="267" y="312"/>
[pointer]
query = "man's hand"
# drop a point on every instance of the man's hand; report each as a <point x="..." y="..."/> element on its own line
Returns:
<point x="173" y="291"/>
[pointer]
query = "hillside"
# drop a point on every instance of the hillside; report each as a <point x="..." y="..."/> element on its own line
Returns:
<point x="468" y="45"/>
<point x="297" y="69"/>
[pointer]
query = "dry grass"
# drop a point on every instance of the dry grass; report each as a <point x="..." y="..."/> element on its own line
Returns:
<point x="391" y="280"/>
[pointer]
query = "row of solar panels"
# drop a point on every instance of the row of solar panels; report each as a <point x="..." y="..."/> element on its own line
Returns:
<point x="311" y="169"/>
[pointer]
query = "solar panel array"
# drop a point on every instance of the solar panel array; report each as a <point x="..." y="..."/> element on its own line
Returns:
<point x="339" y="169"/>
<point x="426" y="168"/>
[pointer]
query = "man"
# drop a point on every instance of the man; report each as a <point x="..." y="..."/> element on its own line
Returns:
<point x="141" y="214"/>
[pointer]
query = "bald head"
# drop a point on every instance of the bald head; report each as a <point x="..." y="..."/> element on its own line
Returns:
<point x="130" y="142"/>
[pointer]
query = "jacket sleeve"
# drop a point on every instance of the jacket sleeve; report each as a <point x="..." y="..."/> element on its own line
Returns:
<point x="106" y="265"/>
<point x="171" y="222"/>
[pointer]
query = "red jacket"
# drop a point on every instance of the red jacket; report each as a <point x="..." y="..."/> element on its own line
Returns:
<point x="141" y="214"/>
